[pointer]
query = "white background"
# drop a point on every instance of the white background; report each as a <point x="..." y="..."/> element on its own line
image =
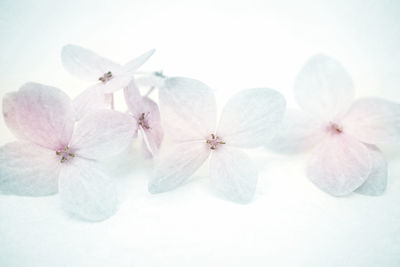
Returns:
<point x="230" y="45"/>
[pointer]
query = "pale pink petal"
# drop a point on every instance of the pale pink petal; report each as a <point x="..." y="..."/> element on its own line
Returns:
<point x="133" y="99"/>
<point x="118" y="82"/>
<point x="340" y="165"/>
<point x="136" y="63"/>
<point x="86" y="192"/>
<point x="10" y="115"/>
<point x="188" y="109"/>
<point x="374" y="121"/>
<point x="323" y="87"/>
<point x="375" y="185"/>
<point x="103" y="134"/>
<point x="88" y="101"/>
<point x="177" y="166"/>
<point x="29" y="170"/>
<point x="251" y="117"/>
<point x="45" y="115"/>
<point x="233" y="174"/>
<point x="86" y="64"/>
<point x="152" y="136"/>
<point x="297" y="133"/>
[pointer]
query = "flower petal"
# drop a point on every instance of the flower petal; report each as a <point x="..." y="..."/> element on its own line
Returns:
<point x="103" y="134"/>
<point x="9" y="114"/>
<point x="188" y="109"/>
<point x="27" y="169"/>
<point x="45" y="115"/>
<point x="233" y="174"/>
<point x="136" y="63"/>
<point x="375" y="185"/>
<point x="154" y="79"/>
<point x="323" y="87"/>
<point x="175" y="167"/>
<point x="251" y="117"/>
<point x="88" y="101"/>
<point x="86" y="192"/>
<point x="374" y="121"/>
<point x="133" y="99"/>
<point x="118" y="82"/>
<point x="297" y="133"/>
<point x="153" y="136"/>
<point x="86" y="64"/>
<point x="340" y="165"/>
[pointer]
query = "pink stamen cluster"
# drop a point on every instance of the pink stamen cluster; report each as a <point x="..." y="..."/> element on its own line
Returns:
<point x="214" y="142"/>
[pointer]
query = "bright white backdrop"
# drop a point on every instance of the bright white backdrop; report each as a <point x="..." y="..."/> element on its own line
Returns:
<point x="230" y="45"/>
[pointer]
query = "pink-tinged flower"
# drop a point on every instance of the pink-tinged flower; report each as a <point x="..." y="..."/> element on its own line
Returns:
<point x="52" y="155"/>
<point x="147" y="116"/>
<point x="189" y="117"/>
<point x="108" y="76"/>
<point x="345" y="132"/>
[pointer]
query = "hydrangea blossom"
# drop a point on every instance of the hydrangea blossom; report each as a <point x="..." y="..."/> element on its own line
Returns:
<point x="108" y="76"/>
<point x="346" y="133"/>
<point x="147" y="115"/>
<point x="52" y="155"/>
<point x="189" y="115"/>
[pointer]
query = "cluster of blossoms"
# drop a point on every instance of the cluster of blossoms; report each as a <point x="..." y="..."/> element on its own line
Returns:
<point x="62" y="142"/>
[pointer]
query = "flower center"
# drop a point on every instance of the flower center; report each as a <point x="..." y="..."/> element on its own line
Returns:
<point x="143" y="121"/>
<point x="106" y="77"/>
<point x="214" y="141"/>
<point x="335" y="128"/>
<point x="65" y="154"/>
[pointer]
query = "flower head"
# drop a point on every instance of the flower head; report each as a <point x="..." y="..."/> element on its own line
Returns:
<point x="147" y="115"/>
<point x="52" y="155"/>
<point x="108" y="75"/>
<point x="345" y="132"/>
<point x="248" y="120"/>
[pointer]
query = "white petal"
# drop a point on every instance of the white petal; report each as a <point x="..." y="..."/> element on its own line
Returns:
<point x="233" y="174"/>
<point x="340" y="165"/>
<point x="10" y="115"/>
<point x="374" y="121"/>
<point x="188" y="109"/>
<point x="45" y="115"/>
<point x="85" y="64"/>
<point x="375" y="185"/>
<point x="297" y="133"/>
<point x="323" y="87"/>
<point x="116" y="83"/>
<point x="27" y="169"/>
<point x="151" y="80"/>
<point x="136" y="63"/>
<point x="251" y="117"/>
<point x="175" y="167"/>
<point x="88" y="101"/>
<point x="86" y="192"/>
<point x="103" y="134"/>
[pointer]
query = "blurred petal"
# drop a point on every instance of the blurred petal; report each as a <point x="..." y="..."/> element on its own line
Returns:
<point x="175" y="167"/>
<point x="297" y="133"/>
<point x="375" y="185"/>
<point x="251" y="117"/>
<point x="136" y="63"/>
<point x="151" y="80"/>
<point x="88" y="101"/>
<point x="118" y="82"/>
<point x="374" y="121"/>
<point x="45" y="115"/>
<point x="86" y="192"/>
<point x="233" y="174"/>
<point x="340" y="165"/>
<point x="103" y="134"/>
<point x="133" y="99"/>
<point x="9" y="114"/>
<point x="323" y="87"/>
<point x="85" y="64"/>
<point x="27" y="169"/>
<point x="188" y="109"/>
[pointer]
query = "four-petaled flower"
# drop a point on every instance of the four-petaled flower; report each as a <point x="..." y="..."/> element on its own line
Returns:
<point x="346" y="159"/>
<point x="188" y="111"/>
<point x="147" y="115"/>
<point x="52" y="155"/>
<point x="109" y="76"/>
